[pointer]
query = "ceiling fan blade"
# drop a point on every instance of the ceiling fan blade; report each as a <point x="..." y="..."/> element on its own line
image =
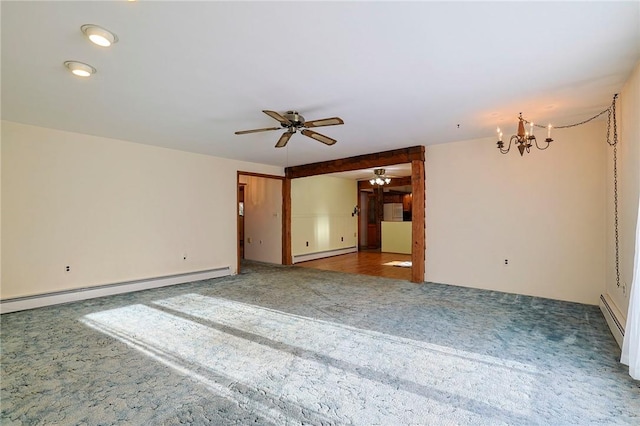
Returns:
<point x="317" y="136"/>
<point x="244" y="132"/>
<point x="277" y="116"/>
<point x="324" y="122"/>
<point x="284" y="139"/>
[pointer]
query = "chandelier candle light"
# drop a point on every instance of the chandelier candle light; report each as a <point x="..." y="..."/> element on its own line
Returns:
<point x="523" y="140"/>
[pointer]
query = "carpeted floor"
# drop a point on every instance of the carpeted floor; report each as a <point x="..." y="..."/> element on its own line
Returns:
<point x="290" y="345"/>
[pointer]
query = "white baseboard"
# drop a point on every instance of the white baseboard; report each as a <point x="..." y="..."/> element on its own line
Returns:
<point x="615" y="319"/>
<point x="322" y="254"/>
<point x="37" y="301"/>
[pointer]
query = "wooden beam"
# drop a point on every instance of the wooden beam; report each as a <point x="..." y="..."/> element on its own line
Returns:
<point x="287" y="258"/>
<point x="418" y="221"/>
<point x="379" y="159"/>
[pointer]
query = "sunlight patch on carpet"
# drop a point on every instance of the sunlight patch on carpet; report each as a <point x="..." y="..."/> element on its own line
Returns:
<point x="337" y="372"/>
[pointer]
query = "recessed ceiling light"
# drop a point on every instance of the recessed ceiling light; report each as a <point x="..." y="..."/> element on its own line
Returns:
<point x="99" y="35"/>
<point x="80" y="69"/>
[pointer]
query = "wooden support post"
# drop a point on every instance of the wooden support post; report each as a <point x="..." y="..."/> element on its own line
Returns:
<point x="418" y="221"/>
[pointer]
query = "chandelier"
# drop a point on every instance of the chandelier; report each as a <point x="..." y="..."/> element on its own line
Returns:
<point x="524" y="140"/>
<point x="379" y="178"/>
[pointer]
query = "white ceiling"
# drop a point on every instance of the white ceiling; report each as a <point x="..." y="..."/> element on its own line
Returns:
<point x="186" y="75"/>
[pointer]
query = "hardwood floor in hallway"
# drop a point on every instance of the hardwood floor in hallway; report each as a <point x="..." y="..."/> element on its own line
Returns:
<point x="365" y="263"/>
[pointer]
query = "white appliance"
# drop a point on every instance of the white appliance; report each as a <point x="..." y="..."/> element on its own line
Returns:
<point x="393" y="212"/>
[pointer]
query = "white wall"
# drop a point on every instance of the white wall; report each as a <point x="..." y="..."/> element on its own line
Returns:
<point x="321" y="208"/>
<point x="262" y="219"/>
<point x="628" y="191"/>
<point x="544" y="212"/>
<point x="1" y="208"/>
<point x="112" y="210"/>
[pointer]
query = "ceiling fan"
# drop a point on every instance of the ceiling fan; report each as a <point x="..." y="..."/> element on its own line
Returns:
<point x="292" y="121"/>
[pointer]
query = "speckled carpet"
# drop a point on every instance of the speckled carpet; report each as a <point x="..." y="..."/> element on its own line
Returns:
<point x="290" y="345"/>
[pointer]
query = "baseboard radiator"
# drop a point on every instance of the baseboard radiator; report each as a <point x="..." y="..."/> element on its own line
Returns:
<point x="613" y="316"/>
<point x="55" y="298"/>
<point x="322" y="254"/>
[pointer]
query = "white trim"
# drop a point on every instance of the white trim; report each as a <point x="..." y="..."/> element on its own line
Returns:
<point x="322" y="254"/>
<point x="615" y="319"/>
<point x="37" y="301"/>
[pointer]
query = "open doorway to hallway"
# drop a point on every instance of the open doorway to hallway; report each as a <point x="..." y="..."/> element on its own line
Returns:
<point x="260" y="218"/>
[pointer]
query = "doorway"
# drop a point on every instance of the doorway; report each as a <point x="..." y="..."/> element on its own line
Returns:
<point x="372" y="220"/>
<point x="241" y="220"/>
<point x="413" y="155"/>
<point x="260" y="213"/>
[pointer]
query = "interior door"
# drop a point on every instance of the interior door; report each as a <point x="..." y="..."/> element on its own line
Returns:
<point x="373" y="237"/>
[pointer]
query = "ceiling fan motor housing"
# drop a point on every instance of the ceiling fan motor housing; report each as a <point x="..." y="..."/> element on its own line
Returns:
<point x="296" y="119"/>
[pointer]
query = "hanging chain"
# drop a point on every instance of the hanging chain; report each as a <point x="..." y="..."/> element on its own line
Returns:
<point x="611" y="112"/>
<point x="585" y="121"/>
<point x="614" y="144"/>
<point x="577" y="124"/>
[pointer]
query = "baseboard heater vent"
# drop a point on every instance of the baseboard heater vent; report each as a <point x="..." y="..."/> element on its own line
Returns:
<point x="613" y="317"/>
<point x="322" y="254"/>
<point x="58" y="297"/>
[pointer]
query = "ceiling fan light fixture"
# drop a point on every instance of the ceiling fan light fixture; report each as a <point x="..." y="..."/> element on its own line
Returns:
<point x="80" y="69"/>
<point x="380" y="178"/>
<point x="98" y="35"/>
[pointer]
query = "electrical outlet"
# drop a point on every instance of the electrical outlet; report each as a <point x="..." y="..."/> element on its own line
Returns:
<point x="67" y="268"/>
<point x="184" y="256"/>
<point x="506" y="262"/>
<point x="307" y="243"/>
<point x="341" y="238"/>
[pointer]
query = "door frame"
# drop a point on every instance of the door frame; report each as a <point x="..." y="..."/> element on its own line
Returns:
<point x="285" y="216"/>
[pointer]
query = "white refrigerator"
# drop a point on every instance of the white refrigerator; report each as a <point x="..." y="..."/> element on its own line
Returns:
<point x="393" y="212"/>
